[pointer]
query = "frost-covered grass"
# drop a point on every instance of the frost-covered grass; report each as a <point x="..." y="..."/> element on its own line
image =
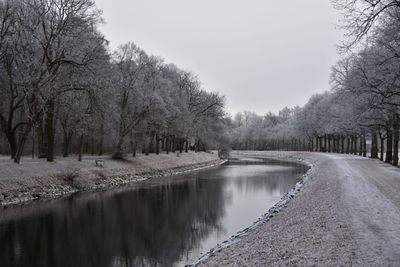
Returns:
<point x="37" y="178"/>
<point x="40" y="167"/>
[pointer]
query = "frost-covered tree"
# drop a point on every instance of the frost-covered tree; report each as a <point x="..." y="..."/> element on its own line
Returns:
<point x="63" y="90"/>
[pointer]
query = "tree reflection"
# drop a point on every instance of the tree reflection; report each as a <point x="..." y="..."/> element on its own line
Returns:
<point x="155" y="225"/>
<point x="148" y="226"/>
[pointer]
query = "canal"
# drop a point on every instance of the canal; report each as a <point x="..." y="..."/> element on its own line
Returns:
<point x="167" y="221"/>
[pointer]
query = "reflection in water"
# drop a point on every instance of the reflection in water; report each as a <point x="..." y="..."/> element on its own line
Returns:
<point x="155" y="225"/>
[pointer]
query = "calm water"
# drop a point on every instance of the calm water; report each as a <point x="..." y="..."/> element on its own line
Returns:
<point x="155" y="225"/>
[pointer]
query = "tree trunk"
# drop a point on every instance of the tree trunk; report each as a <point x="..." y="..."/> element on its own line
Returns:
<point x="146" y="148"/>
<point x="374" y="145"/>
<point x="396" y="128"/>
<point x="91" y="145"/>
<point x="167" y="144"/>
<point x="118" y="154"/>
<point x="320" y="144"/>
<point x="342" y="144"/>
<point x="364" y="141"/>
<point x="12" y="143"/>
<point x="151" y="143"/>
<point x="80" y="148"/>
<point x="65" y="145"/>
<point x="42" y="140"/>
<point x="21" y="145"/>
<point x="351" y="145"/>
<point x="355" y="148"/>
<point x="134" y="148"/>
<point x="389" y="147"/>
<point x="87" y="143"/>
<point x="33" y="143"/>
<point x="49" y="125"/>
<point x="173" y="149"/>
<point x="163" y="142"/>
<point x="313" y="146"/>
<point x="20" y="150"/>
<point x="181" y="140"/>
<point x="382" y="139"/>
<point x="157" y="143"/>
<point x="101" y="142"/>
<point x="10" y="134"/>
<point x="334" y="139"/>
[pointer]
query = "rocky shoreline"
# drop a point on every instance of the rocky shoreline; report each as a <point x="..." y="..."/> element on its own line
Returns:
<point x="23" y="191"/>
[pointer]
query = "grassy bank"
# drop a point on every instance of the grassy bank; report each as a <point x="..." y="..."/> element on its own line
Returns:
<point x="38" y="179"/>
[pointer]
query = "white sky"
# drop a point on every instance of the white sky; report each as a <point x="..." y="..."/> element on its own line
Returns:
<point x="262" y="54"/>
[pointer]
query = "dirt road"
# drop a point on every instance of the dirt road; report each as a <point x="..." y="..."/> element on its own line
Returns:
<point x="347" y="214"/>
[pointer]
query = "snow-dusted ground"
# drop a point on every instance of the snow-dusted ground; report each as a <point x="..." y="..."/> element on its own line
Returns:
<point x="348" y="213"/>
<point x="36" y="179"/>
<point x="40" y="167"/>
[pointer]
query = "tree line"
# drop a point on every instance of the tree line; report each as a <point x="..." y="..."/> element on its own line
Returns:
<point x="64" y="91"/>
<point x="360" y="113"/>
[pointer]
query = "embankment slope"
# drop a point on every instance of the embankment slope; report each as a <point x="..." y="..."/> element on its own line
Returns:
<point x="348" y="213"/>
<point x="38" y="179"/>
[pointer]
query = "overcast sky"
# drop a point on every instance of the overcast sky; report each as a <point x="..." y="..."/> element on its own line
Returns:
<point x="262" y="55"/>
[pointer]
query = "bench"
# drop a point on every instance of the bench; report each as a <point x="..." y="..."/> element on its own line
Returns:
<point x="99" y="163"/>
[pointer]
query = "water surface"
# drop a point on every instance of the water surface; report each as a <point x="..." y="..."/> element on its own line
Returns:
<point x="163" y="222"/>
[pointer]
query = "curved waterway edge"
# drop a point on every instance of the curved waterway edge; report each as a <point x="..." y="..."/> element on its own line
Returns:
<point x="270" y="213"/>
<point x="167" y="221"/>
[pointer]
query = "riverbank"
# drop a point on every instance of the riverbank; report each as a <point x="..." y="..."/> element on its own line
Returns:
<point x="37" y="179"/>
<point x="347" y="213"/>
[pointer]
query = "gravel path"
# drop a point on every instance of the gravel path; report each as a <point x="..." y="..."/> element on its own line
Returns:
<point x="347" y="214"/>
